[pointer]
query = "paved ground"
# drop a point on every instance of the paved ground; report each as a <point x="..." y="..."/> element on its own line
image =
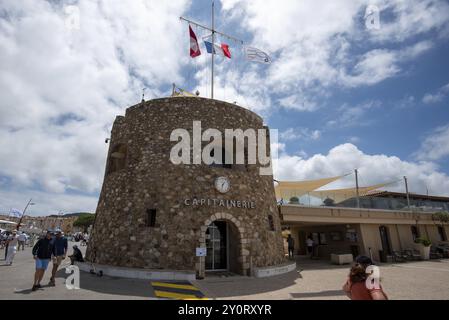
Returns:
<point x="317" y="280"/>
<point x="16" y="282"/>
<point x="320" y="280"/>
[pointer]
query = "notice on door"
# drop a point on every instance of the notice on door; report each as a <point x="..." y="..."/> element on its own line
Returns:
<point x="201" y="252"/>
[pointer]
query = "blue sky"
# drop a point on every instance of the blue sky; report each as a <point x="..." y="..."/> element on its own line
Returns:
<point x="342" y="96"/>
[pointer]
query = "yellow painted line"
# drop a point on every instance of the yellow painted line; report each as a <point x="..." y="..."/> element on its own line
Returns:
<point x="174" y="285"/>
<point x="172" y="295"/>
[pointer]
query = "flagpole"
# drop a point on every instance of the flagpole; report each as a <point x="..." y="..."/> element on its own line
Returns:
<point x="213" y="31"/>
<point x="213" y="50"/>
<point x="23" y="213"/>
<point x="209" y="29"/>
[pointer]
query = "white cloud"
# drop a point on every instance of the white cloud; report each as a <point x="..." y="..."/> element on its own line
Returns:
<point x="299" y="134"/>
<point x="46" y="203"/>
<point x="406" y="102"/>
<point x="61" y="88"/>
<point x="353" y="116"/>
<point x="317" y="47"/>
<point x="411" y="18"/>
<point x="436" y="97"/>
<point x="354" y="140"/>
<point x="373" y="169"/>
<point x="380" y="64"/>
<point x="435" y="146"/>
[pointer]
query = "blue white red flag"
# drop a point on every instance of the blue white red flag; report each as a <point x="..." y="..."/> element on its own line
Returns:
<point x="16" y="213"/>
<point x="222" y="50"/>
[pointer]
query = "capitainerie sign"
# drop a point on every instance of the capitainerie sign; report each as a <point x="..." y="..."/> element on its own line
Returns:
<point x="244" y="204"/>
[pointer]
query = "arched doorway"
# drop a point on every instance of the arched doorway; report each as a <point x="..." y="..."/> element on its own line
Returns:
<point x="217" y="245"/>
<point x="223" y="240"/>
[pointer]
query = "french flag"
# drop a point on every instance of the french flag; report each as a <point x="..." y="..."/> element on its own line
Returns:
<point x="222" y="50"/>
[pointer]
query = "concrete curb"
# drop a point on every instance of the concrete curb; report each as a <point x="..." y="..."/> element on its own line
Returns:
<point x="134" y="273"/>
<point x="274" y="270"/>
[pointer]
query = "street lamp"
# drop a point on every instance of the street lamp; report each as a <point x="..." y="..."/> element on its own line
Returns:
<point x="23" y="213"/>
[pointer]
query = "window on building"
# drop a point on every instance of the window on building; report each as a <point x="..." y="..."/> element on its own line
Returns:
<point x="117" y="158"/>
<point x="442" y="233"/>
<point x="322" y="238"/>
<point x="151" y="218"/>
<point x="415" y="232"/>
<point x="271" y="223"/>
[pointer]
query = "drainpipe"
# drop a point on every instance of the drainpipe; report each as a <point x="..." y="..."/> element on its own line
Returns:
<point x="399" y="237"/>
<point x="250" y="271"/>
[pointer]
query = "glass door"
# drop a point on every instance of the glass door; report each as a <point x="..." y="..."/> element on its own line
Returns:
<point x="217" y="246"/>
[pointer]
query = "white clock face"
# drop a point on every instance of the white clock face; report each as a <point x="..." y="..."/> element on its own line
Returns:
<point x="222" y="184"/>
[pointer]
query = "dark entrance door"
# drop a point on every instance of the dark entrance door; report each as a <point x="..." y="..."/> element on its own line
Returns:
<point x="217" y="246"/>
<point x="385" y="238"/>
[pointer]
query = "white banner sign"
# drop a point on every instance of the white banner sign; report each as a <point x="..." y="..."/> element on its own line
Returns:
<point x="256" y="55"/>
<point x="201" y="252"/>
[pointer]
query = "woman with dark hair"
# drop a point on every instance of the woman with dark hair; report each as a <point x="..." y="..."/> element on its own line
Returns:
<point x="356" y="287"/>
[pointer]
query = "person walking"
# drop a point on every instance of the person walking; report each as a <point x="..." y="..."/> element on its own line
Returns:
<point x="6" y="235"/>
<point x="59" y="253"/>
<point x="13" y="240"/>
<point x="22" y="239"/>
<point x="42" y="251"/>
<point x="356" y="287"/>
<point x="291" y="246"/>
<point x="309" y="244"/>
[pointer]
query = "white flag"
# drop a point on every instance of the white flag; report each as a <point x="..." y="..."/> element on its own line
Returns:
<point x="253" y="54"/>
<point x="16" y="213"/>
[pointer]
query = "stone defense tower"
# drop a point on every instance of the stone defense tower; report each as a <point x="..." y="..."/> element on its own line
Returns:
<point x="153" y="214"/>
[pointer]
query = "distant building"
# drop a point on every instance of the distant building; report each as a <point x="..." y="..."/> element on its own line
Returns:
<point x="398" y="201"/>
<point x="382" y="225"/>
<point x="40" y="224"/>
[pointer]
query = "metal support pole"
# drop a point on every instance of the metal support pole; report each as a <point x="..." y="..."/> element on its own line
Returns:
<point x="23" y="214"/>
<point x="406" y="191"/>
<point x="357" y="187"/>
<point x="213" y="50"/>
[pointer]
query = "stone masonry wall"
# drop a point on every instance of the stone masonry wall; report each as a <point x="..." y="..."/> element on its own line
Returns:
<point x="150" y="181"/>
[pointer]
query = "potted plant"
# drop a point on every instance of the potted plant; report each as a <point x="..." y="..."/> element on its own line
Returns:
<point x="423" y="245"/>
<point x="294" y="200"/>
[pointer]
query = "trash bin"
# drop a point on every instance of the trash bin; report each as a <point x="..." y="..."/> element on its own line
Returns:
<point x="382" y="256"/>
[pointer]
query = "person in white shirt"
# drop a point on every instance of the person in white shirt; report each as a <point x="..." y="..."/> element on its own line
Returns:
<point x="309" y="243"/>
<point x="22" y="238"/>
<point x="12" y="247"/>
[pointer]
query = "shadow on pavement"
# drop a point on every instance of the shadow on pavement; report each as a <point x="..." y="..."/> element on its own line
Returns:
<point x="94" y="283"/>
<point x="216" y="287"/>
<point x="113" y="286"/>
<point x="24" y="291"/>
<point x="328" y="293"/>
<point x="305" y="263"/>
